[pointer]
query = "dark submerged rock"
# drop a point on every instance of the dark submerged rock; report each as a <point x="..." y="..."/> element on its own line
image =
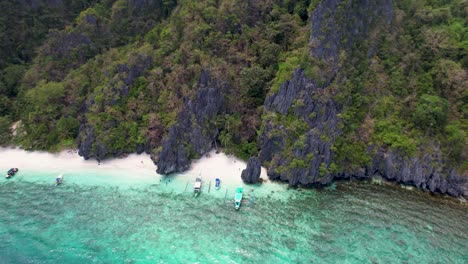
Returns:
<point x="252" y="173"/>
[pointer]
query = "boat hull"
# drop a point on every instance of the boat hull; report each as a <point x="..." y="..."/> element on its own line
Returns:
<point x="197" y="187"/>
<point x="59" y="180"/>
<point x="11" y="173"/>
<point x="238" y="198"/>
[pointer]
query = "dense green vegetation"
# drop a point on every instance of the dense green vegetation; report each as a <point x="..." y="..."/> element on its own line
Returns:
<point x="414" y="90"/>
<point x="23" y="28"/>
<point x="124" y="67"/>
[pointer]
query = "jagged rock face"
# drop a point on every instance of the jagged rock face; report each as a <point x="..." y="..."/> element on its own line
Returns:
<point x="34" y="4"/>
<point x="335" y="26"/>
<point x="425" y="171"/>
<point x="252" y="173"/>
<point x="301" y="163"/>
<point x="195" y="131"/>
<point x="65" y="44"/>
<point x="91" y="143"/>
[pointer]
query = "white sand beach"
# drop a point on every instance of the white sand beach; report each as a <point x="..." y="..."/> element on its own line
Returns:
<point x="133" y="171"/>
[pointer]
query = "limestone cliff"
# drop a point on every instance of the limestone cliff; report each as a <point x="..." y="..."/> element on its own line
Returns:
<point x="302" y="119"/>
<point x="195" y="131"/>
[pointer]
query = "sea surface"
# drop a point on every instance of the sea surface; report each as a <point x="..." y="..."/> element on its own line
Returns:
<point x="89" y="220"/>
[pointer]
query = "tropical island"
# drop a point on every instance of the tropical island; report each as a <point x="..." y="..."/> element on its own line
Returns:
<point x="311" y="90"/>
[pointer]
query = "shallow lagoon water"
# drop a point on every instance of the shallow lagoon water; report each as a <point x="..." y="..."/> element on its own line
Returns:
<point x="114" y="218"/>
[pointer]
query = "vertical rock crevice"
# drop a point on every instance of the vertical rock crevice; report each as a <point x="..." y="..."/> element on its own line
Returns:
<point x="195" y="131"/>
<point x="302" y="119"/>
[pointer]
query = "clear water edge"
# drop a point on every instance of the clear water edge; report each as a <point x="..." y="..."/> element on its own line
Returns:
<point x="100" y="218"/>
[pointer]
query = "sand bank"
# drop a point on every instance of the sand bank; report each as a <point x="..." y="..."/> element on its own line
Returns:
<point x="132" y="171"/>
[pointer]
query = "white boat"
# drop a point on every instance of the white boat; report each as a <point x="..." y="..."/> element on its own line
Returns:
<point x="59" y="179"/>
<point x="197" y="186"/>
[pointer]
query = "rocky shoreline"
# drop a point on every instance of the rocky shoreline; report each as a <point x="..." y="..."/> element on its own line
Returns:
<point x="306" y="158"/>
<point x="302" y="119"/>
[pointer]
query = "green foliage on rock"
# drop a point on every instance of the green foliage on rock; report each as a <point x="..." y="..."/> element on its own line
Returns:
<point x="414" y="89"/>
<point x="124" y="69"/>
<point x="5" y="133"/>
<point x="431" y="112"/>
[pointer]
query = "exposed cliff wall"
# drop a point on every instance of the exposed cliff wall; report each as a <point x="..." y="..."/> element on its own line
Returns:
<point x="428" y="170"/>
<point x="317" y="91"/>
<point x="195" y="132"/>
<point x="251" y="174"/>
<point x="97" y="133"/>
<point x="302" y="120"/>
<point x="300" y="125"/>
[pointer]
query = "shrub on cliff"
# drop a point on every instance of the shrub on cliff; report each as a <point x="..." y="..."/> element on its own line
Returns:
<point x="431" y="112"/>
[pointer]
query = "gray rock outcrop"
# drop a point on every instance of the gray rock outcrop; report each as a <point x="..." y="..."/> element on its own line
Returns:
<point x="303" y="113"/>
<point x="302" y="120"/>
<point x="317" y="118"/>
<point x="426" y="171"/>
<point x="91" y="143"/>
<point x="195" y="132"/>
<point x="251" y="174"/>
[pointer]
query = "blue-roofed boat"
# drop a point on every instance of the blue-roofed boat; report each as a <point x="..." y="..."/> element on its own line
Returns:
<point x="11" y="172"/>
<point x="217" y="183"/>
<point x="59" y="180"/>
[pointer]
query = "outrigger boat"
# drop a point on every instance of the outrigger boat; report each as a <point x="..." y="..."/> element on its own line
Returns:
<point x="59" y="180"/>
<point x="217" y="183"/>
<point x="238" y="197"/>
<point x="11" y="172"/>
<point x="197" y="186"/>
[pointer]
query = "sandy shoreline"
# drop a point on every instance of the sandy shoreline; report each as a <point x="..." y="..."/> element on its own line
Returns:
<point x="132" y="171"/>
<point x="68" y="159"/>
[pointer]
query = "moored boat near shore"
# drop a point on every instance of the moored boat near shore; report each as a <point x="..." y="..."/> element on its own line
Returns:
<point x="11" y="172"/>
<point x="217" y="183"/>
<point x="59" y="180"/>
<point x="238" y="198"/>
<point x="197" y="186"/>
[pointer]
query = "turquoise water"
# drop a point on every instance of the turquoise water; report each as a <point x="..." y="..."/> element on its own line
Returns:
<point x="356" y="222"/>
